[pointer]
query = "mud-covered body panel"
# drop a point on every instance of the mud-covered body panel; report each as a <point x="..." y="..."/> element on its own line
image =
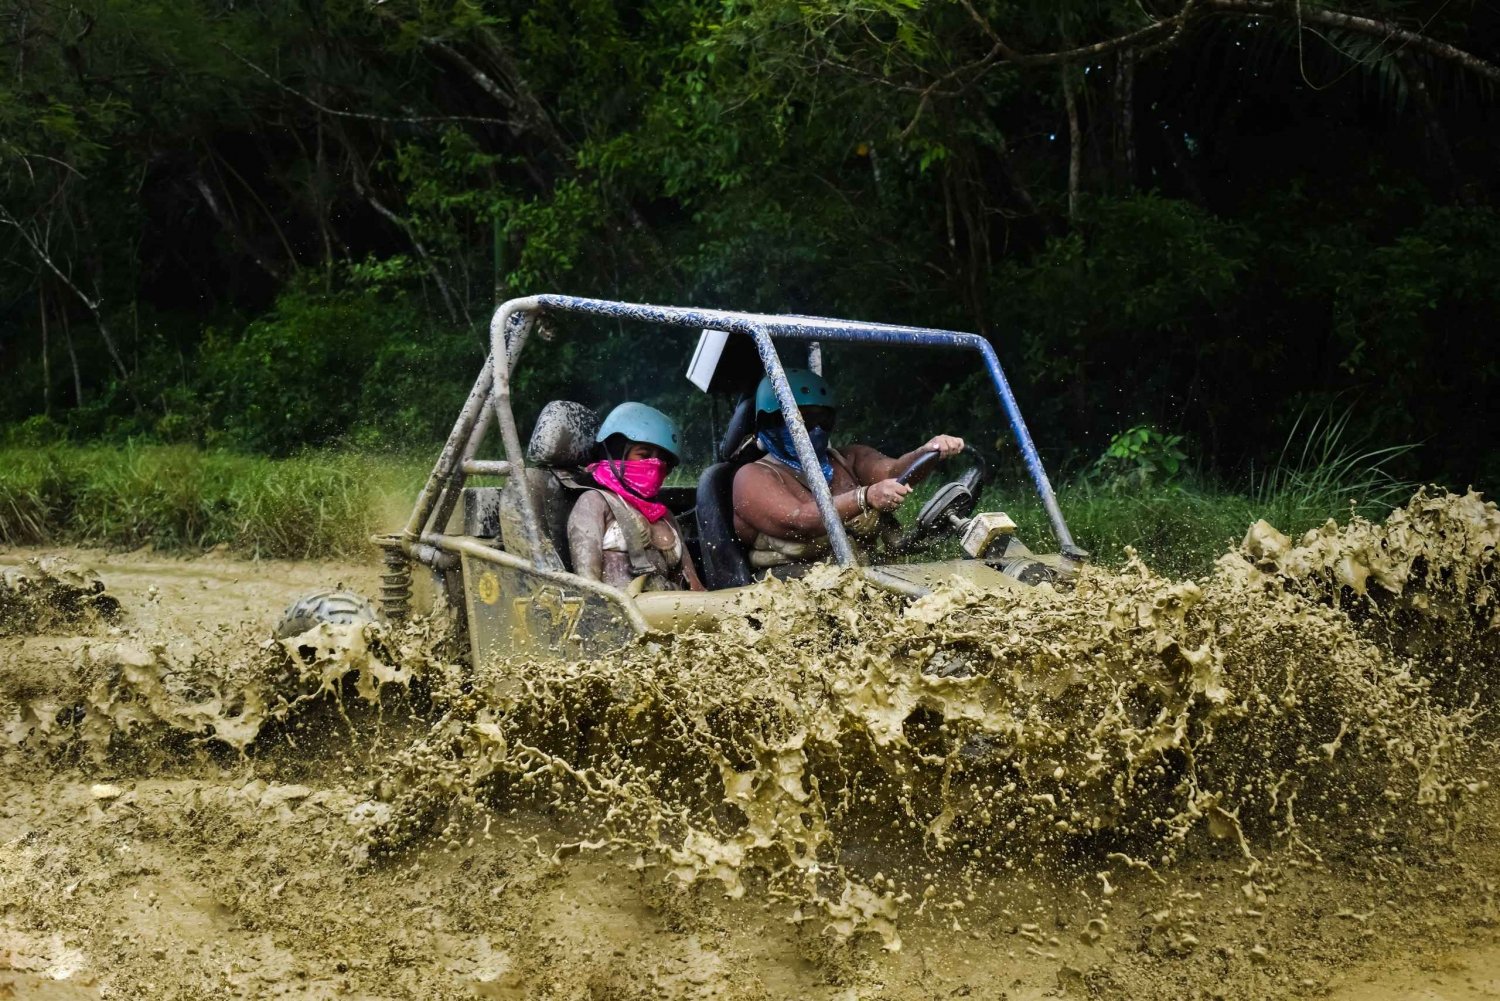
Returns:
<point x="512" y="610"/>
<point x="929" y="575"/>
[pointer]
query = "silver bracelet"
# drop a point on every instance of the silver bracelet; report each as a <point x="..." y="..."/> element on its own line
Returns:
<point x="862" y="497"/>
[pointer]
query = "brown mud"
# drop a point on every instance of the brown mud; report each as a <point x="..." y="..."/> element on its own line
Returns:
<point x="1273" y="781"/>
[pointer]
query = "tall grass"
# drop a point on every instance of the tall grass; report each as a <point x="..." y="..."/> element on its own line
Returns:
<point x="327" y="504"/>
<point x="1323" y="471"/>
<point x="1178" y="530"/>
<point x="321" y="504"/>
<point x="1324" y="465"/>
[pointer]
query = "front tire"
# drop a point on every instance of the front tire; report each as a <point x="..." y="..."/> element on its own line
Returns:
<point x="332" y="606"/>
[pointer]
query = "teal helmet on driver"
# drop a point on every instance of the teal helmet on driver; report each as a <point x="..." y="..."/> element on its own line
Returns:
<point x="638" y="422"/>
<point x="809" y="389"/>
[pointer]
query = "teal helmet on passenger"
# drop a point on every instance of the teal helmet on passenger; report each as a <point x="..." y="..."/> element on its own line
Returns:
<point x="638" y="422"/>
<point x="809" y="389"/>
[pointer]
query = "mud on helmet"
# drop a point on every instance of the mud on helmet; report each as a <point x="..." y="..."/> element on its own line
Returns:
<point x="638" y="422"/>
<point x="809" y="389"/>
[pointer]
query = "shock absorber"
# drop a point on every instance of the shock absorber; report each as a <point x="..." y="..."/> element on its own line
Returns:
<point x="395" y="582"/>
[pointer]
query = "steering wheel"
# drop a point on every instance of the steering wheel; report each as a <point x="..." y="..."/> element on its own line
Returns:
<point x="952" y="503"/>
<point x="918" y="464"/>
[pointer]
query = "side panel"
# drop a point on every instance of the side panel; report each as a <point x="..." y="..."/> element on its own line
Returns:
<point x="514" y="611"/>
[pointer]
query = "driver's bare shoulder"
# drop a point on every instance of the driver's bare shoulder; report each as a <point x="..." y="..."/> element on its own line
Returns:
<point x="856" y="452"/>
<point x="861" y="459"/>
<point x="757" y="476"/>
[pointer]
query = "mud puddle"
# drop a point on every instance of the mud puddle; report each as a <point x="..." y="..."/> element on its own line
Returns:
<point x="1274" y="781"/>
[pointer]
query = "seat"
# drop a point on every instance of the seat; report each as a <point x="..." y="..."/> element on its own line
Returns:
<point x="739" y="433"/>
<point x="561" y="443"/>
<point x="723" y="558"/>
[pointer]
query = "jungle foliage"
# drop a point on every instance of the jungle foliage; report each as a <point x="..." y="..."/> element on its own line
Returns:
<point x="272" y="225"/>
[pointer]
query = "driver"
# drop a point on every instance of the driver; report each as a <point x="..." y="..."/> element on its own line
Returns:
<point x="775" y="515"/>
<point x="620" y="533"/>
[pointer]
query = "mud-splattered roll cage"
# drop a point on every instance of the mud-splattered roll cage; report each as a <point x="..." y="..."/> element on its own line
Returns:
<point x="489" y="401"/>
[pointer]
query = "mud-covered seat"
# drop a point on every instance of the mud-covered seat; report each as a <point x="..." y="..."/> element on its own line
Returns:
<point x="561" y="443"/>
<point x="723" y="560"/>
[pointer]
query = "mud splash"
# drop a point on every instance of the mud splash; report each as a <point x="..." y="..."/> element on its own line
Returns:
<point x="863" y="757"/>
<point x="133" y="695"/>
<point x="1422" y="584"/>
<point x="50" y="594"/>
<point x="871" y="762"/>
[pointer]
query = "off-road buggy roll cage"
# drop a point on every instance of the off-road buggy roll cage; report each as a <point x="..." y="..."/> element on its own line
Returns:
<point x="425" y="540"/>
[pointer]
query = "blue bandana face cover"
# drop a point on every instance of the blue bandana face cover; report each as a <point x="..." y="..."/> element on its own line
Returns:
<point x="778" y="444"/>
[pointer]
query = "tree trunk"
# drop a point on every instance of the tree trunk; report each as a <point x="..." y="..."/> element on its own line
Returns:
<point x="44" y="255"/>
<point x="405" y="227"/>
<point x="232" y="230"/>
<point x="41" y="305"/>
<point x="222" y="166"/>
<point x="1075" y="145"/>
<point x="1436" y="137"/>
<point x="96" y="265"/>
<point x="1125" y="118"/>
<point x="529" y="116"/>
<point x="1008" y="170"/>
<point x="72" y="358"/>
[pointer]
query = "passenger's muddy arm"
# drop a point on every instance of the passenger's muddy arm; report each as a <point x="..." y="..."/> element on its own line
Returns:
<point x="586" y="526"/>
<point x="769" y="504"/>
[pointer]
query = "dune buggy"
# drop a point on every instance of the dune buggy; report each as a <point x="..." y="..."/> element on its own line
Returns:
<point x="506" y="570"/>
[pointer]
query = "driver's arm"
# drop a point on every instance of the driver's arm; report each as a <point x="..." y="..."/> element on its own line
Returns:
<point x="871" y="466"/>
<point x="764" y="504"/>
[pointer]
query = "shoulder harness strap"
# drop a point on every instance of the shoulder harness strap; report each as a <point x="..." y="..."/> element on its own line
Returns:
<point x="635" y="530"/>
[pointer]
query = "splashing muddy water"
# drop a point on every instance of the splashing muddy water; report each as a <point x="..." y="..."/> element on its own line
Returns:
<point x="1129" y="716"/>
<point x="834" y="786"/>
<point x="49" y="593"/>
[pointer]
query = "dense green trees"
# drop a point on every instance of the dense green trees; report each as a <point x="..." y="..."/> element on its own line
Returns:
<point x="281" y="223"/>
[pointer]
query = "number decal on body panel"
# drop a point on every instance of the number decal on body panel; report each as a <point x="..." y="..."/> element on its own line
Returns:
<point x="489" y="588"/>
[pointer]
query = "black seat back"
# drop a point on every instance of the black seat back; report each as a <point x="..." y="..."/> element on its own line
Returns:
<point x="740" y="427"/>
<point x="723" y="559"/>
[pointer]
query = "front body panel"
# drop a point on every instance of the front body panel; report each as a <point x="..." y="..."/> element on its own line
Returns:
<point x="513" y="611"/>
<point x="929" y="575"/>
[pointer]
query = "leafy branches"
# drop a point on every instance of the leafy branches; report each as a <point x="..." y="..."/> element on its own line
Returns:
<point x="1189" y="214"/>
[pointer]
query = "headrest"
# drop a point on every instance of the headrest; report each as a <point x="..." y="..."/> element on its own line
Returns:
<point x="741" y="426"/>
<point x="564" y="435"/>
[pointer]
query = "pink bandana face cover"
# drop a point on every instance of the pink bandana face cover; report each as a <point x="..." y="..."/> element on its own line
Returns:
<point x="642" y="479"/>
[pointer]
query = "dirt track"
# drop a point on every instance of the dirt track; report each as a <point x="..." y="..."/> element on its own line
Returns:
<point x="199" y="873"/>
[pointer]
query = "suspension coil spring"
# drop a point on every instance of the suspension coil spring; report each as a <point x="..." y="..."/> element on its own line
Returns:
<point x="395" y="584"/>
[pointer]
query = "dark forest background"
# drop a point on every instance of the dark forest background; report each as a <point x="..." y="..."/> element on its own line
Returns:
<point x="280" y="224"/>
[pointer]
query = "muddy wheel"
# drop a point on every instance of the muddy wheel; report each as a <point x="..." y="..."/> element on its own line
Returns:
<point x="338" y="607"/>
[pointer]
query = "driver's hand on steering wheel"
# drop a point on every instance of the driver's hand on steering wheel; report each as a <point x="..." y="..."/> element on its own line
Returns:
<point x="887" y="495"/>
<point x="946" y="445"/>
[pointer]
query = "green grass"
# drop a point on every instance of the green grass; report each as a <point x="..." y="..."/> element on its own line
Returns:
<point x="327" y="504"/>
<point x="170" y="497"/>
<point x="1180" y="528"/>
<point x="1178" y="531"/>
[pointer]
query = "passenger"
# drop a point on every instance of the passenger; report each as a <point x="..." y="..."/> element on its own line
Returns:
<point x="619" y="533"/>
<point x="775" y="515"/>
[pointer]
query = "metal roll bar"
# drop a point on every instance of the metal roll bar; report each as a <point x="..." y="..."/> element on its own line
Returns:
<point x="512" y="321"/>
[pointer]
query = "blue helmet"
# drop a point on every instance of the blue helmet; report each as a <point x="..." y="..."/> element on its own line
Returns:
<point x="809" y="389"/>
<point x="638" y="422"/>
